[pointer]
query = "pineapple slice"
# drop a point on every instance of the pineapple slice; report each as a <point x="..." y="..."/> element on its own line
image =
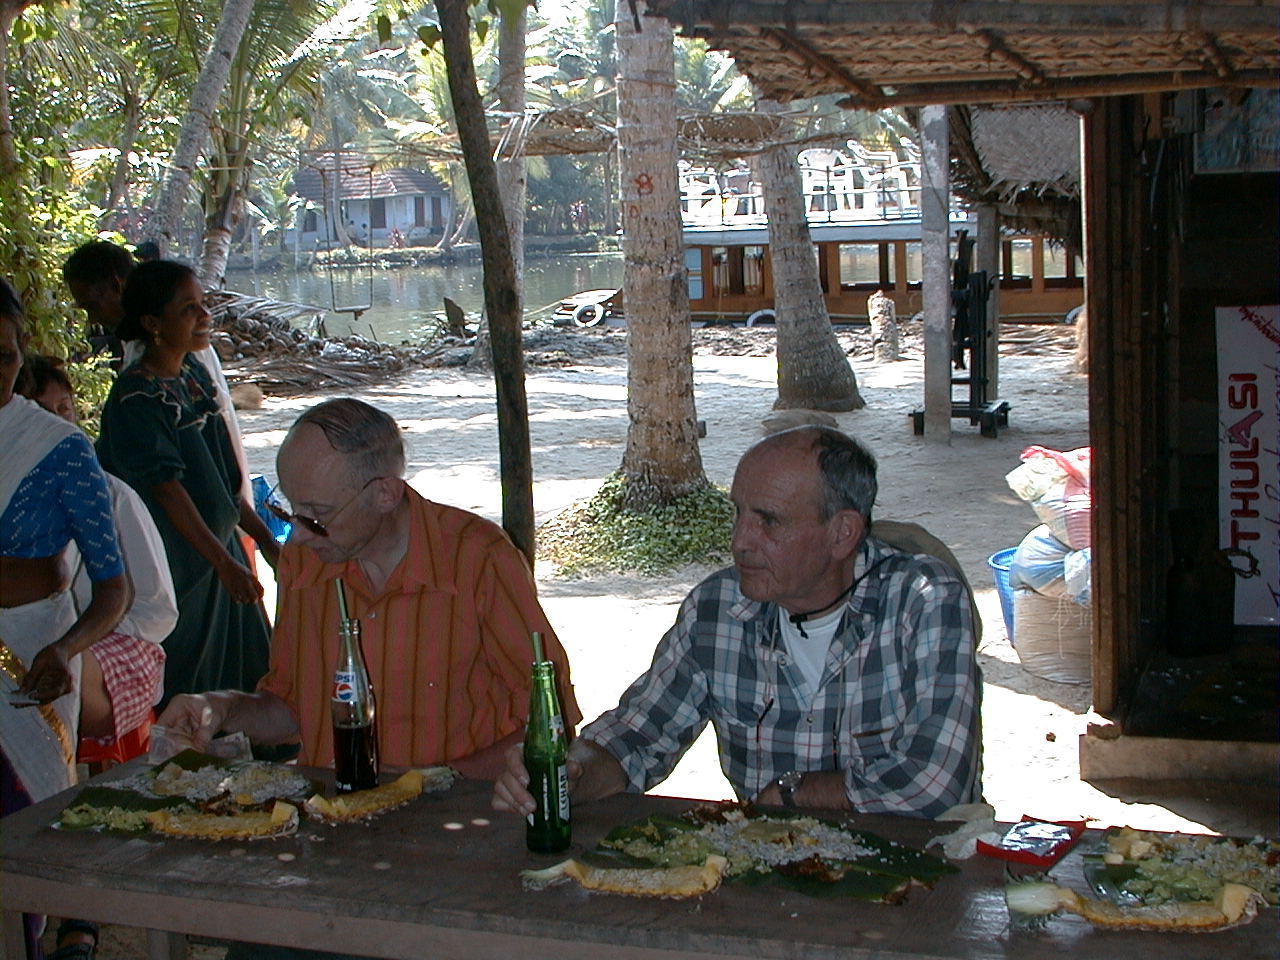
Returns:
<point x="370" y="803"/>
<point x="280" y="821"/>
<point x="669" y="882"/>
<point x="1235" y="904"/>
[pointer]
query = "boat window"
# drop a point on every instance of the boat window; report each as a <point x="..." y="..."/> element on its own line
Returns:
<point x="693" y="264"/>
<point x="864" y="264"/>
<point x="753" y="270"/>
<point x="915" y="268"/>
<point x="1020" y="257"/>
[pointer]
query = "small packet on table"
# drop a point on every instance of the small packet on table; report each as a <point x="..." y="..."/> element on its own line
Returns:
<point x="1037" y="843"/>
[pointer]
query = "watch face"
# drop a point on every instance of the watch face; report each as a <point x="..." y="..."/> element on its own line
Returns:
<point x="790" y="780"/>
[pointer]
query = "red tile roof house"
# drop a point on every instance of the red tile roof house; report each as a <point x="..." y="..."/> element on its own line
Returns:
<point x="378" y="206"/>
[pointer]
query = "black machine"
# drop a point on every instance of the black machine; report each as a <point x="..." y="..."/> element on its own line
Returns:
<point x="970" y="332"/>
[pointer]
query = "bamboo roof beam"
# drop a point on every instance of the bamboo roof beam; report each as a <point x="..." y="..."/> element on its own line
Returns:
<point x="1215" y="58"/>
<point x="996" y="50"/>
<point x="919" y="95"/>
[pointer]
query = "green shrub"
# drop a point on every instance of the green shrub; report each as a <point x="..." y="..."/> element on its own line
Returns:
<point x="602" y="535"/>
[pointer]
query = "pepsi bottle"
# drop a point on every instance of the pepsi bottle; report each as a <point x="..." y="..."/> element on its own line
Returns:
<point x="355" y="736"/>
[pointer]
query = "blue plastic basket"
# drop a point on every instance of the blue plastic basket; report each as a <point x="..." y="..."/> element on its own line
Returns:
<point x="1001" y="563"/>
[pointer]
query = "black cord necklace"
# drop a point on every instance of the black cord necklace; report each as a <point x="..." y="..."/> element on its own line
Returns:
<point x="798" y="619"/>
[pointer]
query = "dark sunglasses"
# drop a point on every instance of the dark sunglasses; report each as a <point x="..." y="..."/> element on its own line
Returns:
<point x="312" y="525"/>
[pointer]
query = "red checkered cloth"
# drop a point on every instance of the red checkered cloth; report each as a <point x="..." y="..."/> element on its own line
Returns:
<point x="132" y="671"/>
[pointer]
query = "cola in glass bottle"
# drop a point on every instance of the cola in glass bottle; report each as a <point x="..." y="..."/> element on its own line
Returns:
<point x="355" y="736"/>
<point x="546" y="750"/>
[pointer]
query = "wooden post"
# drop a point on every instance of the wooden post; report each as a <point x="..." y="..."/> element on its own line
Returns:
<point x="936" y="256"/>
<point x="501" y="285"/>
<point x="986" y="256"/>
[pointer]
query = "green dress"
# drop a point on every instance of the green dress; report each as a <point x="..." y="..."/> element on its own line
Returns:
<point x="156" y="429"/>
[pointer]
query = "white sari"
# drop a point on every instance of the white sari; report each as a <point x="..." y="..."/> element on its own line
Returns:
<point x="39" y="742"/>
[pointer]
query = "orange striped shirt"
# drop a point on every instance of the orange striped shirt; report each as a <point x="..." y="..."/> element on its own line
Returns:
<point x="447" y="641"/>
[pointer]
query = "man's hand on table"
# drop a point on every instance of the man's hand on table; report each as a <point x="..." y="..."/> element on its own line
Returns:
<point x="593" y="773"/>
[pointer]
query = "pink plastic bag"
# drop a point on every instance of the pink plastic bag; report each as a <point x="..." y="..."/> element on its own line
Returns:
<point x="1077" y="464"/>
<point x="1066" y="508"/>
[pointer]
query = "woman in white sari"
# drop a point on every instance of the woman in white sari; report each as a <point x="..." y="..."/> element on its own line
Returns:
<point x="52" y="491"/>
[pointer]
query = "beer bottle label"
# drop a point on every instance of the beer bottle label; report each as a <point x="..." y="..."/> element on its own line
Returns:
<point x="344" y="686"/>
<point x="562" y="775"/>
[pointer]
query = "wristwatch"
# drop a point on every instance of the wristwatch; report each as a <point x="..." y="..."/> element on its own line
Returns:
<point x="788" y="784"/>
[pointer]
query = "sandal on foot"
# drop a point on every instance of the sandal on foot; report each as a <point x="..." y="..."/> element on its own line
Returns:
<point x="76" y="951"/>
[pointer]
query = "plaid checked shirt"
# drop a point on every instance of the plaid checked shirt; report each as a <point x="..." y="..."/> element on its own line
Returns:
<point x="896" y="708"/>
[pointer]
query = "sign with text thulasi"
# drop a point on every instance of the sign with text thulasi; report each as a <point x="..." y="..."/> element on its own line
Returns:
<point x="1249" y="456"/>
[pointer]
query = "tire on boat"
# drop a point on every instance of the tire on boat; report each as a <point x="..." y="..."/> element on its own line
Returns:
<point x="767" y="315"/>
<point x="588" y="314"/>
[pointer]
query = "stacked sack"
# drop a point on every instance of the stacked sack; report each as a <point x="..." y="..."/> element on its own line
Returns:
<point x="1053" y="620"/>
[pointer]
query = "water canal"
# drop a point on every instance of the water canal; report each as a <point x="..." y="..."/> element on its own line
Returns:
<point x="404" y="302"/>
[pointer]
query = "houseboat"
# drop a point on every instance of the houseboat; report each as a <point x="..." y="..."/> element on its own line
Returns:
<point x="864" y="217"/>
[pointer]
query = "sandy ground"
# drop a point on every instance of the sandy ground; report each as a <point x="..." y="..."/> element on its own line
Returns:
<point x="578" y="424"/>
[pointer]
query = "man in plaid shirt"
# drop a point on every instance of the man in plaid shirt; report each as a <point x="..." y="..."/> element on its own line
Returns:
<point x="838" y="671"/>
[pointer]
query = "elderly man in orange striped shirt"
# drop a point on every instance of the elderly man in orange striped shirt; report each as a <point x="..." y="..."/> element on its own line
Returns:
<point x="445" y="602"/>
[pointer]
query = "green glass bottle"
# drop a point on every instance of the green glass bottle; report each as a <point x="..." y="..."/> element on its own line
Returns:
<point x="546" y="751"/>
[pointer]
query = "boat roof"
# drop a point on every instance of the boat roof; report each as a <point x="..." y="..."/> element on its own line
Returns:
<point x="852" y="231"/>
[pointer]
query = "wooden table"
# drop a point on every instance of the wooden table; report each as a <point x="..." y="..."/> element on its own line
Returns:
<point x="439" y="878"/>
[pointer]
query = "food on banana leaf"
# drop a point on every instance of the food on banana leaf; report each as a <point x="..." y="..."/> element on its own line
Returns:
<point x="804" y="853"/>
<point x="1153" y="868"/>
<point x="200" y="778"/>
<point x="107" y="808"/>
<point x="1233" y="905"/>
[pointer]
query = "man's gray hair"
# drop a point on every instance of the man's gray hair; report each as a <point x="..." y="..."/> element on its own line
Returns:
<point x="370" y="438"/>
<point x="848" y="468"/>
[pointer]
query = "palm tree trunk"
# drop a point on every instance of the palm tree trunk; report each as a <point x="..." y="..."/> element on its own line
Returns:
<point x="23" y="268"/>
<point x="813" y="372"/>
<point x="128" y="137"/>
<point x="194" y="135"/>
<point x="512" y="180"/>
<point x="501" y="294"/>
<point x="9" y="12"/>
<point x="662" y="461"/>
<point x="219" y="228"/>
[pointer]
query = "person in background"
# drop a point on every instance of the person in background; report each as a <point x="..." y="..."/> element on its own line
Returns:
<point x="52" y="492"/>
<point x="130" y="658"/>
<point x="446" y="606"/>
<point x="163" y="435"/>
<point x="838" y="671"/>
<point x="96" y="273"/>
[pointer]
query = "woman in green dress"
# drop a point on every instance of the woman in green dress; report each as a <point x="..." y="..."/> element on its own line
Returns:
<point x="163" y="434"/>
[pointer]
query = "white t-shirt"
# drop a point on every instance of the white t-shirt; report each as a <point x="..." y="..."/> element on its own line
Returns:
<point x="809" y="653"/>
<point x="154" y="610"/>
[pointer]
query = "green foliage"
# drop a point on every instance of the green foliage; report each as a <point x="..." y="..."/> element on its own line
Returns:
<point x="601" y="534"/>
<point x="43" y="222"/>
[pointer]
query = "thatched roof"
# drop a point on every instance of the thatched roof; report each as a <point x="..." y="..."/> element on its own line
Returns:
<point x="1025" y="159"/>
<point x="726" y="135"/>
<point x="917" y="52"/>
<point x="567" y="131"/>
